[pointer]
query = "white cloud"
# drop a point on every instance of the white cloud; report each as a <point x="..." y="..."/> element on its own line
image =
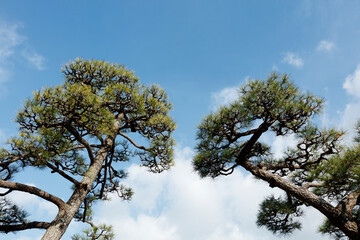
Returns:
<point x="293" y="59"/>
<point x="33" y="58"/>
<point x="224" y="97"/>
<point x="349" y="117"/>
<point x="179" y="205"/>
<point x="351" y="113"/>
<point x="37" y="207"/>
<point x="352" y="83"/>
<point x="325" y="46"/>
<point x="279" y="144"/>
<point x="39" y="210"/>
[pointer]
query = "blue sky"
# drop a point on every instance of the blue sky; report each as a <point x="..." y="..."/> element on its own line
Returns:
<point x="199" y="52"/>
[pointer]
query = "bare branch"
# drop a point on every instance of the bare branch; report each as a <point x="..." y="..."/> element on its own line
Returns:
<point x="312" y="184"/>
<point x="81" y="140"/>
<point x="246" y="133"/>
<point x="280" y="166"/>
<point x="6" y="193"/>
<point x="88" y="222"/>
<point x="23" y="226"/>
<point x="16" y="158"/>
<point x="347" y="225"/>
<point x="132" y="141"/>
<point x="62" y="173"/>
<point x="301" y="193"/>
<point x="33" y="190"/>
<point x="81" y="147"/>
<point x="228" y="171"/>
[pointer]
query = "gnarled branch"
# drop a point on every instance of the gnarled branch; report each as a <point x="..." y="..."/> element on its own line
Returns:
<point x="23" y="226"/>
<point x="348" y="203"/>
<point x="132" y="141"/>
<point x="81" y="140"/>
<point x="62" y="173"/>
<point x="33" y="190"/>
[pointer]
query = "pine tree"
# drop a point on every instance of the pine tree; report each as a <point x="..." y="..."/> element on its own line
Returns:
<point x="83" y="131"/>
<point x="318" y="172"/>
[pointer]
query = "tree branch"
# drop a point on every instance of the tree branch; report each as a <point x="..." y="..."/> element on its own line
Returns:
<point x="62" y="173"/>
<point x="6" y="193"/>
<point x="88" y="222"/>
<point x="106" y="166"/>
<point x="16" y="158"/>
<point x="81" y="140"/>
<point x="132" y="141"/>
<point x="299" y="192"/>
<point x="23" y="226"/>
<point x="33" y="190"/>
<point x="348" y="203"/>
<point x="280" y="166"/>
<point x="242" y="157"/>
<point x="312" y="184"/>
<point x="334" y="214"/>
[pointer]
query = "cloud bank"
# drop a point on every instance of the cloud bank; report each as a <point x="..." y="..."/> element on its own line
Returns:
<point x="179" y="205"/>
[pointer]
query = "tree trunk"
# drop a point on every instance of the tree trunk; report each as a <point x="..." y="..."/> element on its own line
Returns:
<point x="59" y="225"/>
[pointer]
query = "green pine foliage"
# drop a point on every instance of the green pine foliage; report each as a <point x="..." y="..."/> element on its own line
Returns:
<point x="11" y="213"/>
<point x="317" y="172"/>
<point x="101" y="114"/>
<point x="101" y="232"/>
<point x="276" y="102"/>
<point x="279" y="216"/>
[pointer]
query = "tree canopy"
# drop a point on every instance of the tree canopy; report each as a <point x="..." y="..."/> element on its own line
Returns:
<point x="317" y="172"/>
<point x="83" y="130"/>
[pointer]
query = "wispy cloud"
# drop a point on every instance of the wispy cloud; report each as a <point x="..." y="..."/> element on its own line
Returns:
<point x="325" y="46"/>
<point x="184" y="206"/>
<point x="33" y="58"/>
<point x="4" y="74"/>
<point x="9" y="39"/>
<point x="293" y="59"/>
<point x="13" y="45"/>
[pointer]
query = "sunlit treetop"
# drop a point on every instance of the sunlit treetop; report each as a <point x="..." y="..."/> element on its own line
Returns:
<point x="233" y="131"/>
